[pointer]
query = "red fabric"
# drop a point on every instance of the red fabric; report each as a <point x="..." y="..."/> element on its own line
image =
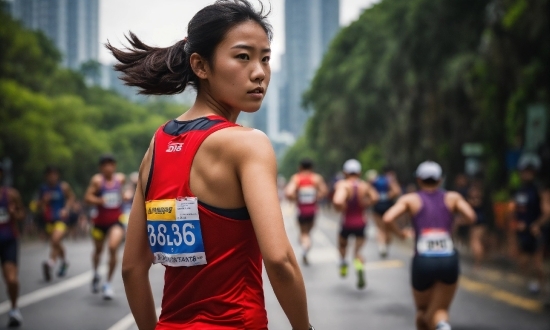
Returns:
<point x="309" y="209"/>
<point x="227" y="292"/>
<point x="105" y="216"/>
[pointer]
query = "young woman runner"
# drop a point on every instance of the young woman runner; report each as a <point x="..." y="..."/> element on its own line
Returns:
<point x="206" y="203"/>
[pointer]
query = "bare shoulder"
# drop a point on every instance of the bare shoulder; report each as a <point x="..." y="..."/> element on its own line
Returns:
<point x="453" y="196"/>
<point x="410" y="198"/>
<point x="241" y="141"/>
<point x="121" y="177"/>
<point x="65" y="185"/>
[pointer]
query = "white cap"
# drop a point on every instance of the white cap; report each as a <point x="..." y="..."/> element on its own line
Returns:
<point x="529" y="160"/>
<point x="429" y="170"/>
<point x="352" y="166"/>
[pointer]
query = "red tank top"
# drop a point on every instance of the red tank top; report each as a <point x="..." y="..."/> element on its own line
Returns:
<point x="306" y="195"/>
<point x="225" y="292"/>
<point x="110" y="211"/>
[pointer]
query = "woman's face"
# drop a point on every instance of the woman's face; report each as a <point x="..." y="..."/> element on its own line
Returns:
<point x="241" y="71"/>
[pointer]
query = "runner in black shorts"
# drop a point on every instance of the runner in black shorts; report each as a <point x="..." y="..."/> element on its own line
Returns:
<point x="11" y="211"/>
<point x="388" y="189"/>
<point x="435" y="265"/>
<point x="306" y="188"/>
<point x="526" y="206"/>
<point x="351" y="197"/>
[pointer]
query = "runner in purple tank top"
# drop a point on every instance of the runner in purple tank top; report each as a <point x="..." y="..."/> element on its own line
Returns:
<point x="352" y="196"/>
<point x="435" y="265"/>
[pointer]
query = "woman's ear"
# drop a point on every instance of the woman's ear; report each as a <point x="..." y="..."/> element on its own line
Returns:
<point x="199" y="66"/>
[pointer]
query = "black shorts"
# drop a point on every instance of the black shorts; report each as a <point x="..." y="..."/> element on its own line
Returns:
<point x="527" y="243"/>
<point x="306" y="219"/>
<point x="100" y="232"/>
<point x="8" y="251"/>
<point x="357" y="232"/>
<point x="382" y="207"/>
<point x="426" y="271"/>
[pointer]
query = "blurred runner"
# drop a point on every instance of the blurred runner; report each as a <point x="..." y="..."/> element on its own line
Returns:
<point x="351" y="197"/>
<point x="388" y="189"/>
<point x="526" y="206"/>
<point x="306" y="188"/>
<point x="541" y="230"/>
<point x="435" y="265"/>
<point x="105" y="193"/>
<point x="129" y="192"/>
<point x="476" y="198"/>
<point x="11" y="212"/>
<point x="206" y="205"/>
<point x="55" y="201"/>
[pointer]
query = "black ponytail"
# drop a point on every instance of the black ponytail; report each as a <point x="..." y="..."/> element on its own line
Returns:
<point x="165" y="71"/>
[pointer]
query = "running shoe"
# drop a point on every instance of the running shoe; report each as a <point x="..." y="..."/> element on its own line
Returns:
<point x="383" y="251"/>
<point x="47" y="271"/>
<point x="361" y="282"/>
<point x="95" y="283"/>
<point x="15" y="318"/>
<point x="443" y="326"/>
<point x="108" y="292"/>
<point x="343" y="269"/>
<point x="305" y="260"/>
<point x="63" y="269"/>
<point x="358" y="264"/>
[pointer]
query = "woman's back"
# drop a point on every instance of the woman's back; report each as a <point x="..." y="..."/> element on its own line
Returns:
<point x="213" y="266"/>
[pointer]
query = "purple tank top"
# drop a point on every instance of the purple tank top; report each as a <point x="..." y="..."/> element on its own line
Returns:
<point x="434" y="216"/>
<point x="353" y="217"/>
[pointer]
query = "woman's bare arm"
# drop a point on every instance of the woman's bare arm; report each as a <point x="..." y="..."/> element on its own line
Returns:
<point x="290" y="189"/>
<point x="257" y="171"/>
<point x="138" y="258"/>
<point x="340" y="195"/>
<point x="462" y="207"/>
<point x="399" y="208"/>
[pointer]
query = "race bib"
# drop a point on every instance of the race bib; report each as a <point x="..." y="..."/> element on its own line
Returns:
<point x="4" y="215"/>
<point x="435" y="243"/>
<point x="112" y="200"/>
<point x="307" y="195"/>
<point x="174" y="231"/>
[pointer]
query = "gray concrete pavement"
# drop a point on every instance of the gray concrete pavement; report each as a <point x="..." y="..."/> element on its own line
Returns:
<point x="334" y="303"/>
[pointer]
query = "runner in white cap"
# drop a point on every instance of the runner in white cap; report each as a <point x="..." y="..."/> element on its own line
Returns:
<point x="435" y="265"/>
<point x="352" y="196"/>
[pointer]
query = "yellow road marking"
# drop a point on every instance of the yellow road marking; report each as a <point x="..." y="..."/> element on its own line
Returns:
<point x="500" y="295"/>
<point x="384" y="264"/>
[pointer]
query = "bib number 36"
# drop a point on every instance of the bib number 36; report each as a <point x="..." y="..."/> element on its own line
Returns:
<point x="173" y="236"/>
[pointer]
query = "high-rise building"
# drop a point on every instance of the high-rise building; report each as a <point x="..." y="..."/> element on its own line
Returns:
<point x="73" y="26"/>
<point x="310" y="25"/>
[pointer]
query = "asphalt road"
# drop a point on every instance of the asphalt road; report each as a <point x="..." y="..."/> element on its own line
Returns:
<point x="486" y="301"/>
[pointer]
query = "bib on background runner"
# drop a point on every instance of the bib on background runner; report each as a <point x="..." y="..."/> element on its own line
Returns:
<point x="435" y="243"/>
<point x="112" y="200"/>
<point x="307" y="195"/>
<point x="174" y="231"/>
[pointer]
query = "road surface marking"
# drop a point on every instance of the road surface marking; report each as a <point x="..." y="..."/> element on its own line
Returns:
<point x="500" y="295"/>
<point x="51" y="290"/>
<point x="126" y="322"/>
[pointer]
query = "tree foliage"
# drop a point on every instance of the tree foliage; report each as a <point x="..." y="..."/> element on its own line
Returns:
<point x="417" y="79"/>
<point x="48" y="115"/>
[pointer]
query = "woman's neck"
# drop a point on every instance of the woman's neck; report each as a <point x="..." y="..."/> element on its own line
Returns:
<point x="206" y="105"/>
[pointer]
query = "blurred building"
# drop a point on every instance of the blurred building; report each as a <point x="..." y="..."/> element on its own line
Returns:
<point x="310" y="26"/>
<point x="73" y="26"/>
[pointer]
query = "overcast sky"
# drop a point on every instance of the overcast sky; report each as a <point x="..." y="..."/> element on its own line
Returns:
<point x="163" y="22"/>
